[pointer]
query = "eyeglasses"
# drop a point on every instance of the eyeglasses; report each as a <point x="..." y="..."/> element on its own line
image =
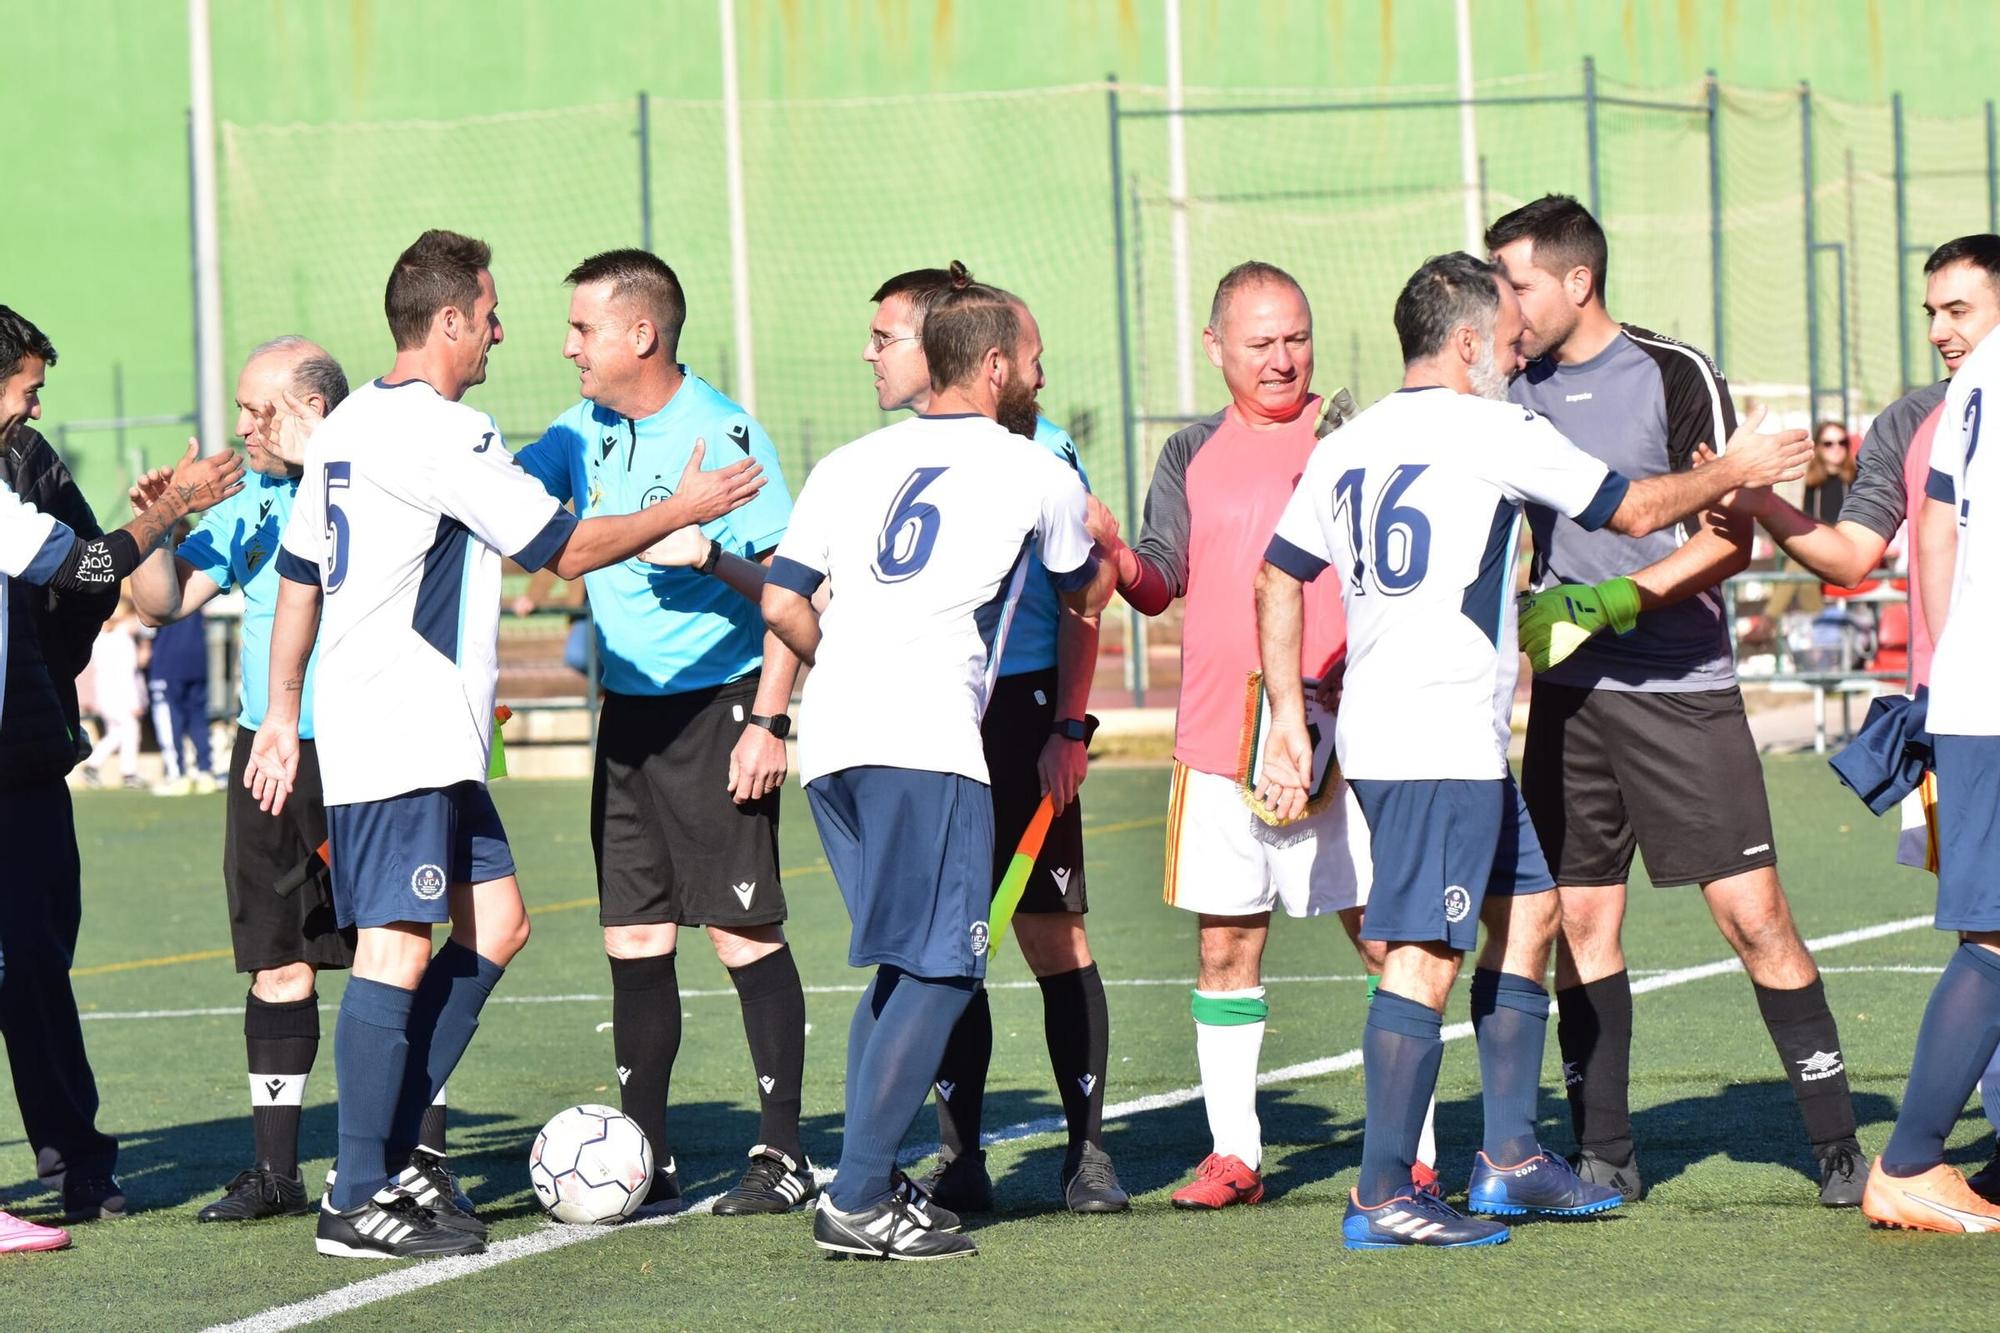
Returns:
<point x="1834" y="442"/>
<point x="880" y="341"/>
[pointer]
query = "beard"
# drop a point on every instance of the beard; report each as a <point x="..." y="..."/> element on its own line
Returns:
<point x="1487" y="381"/>
<point x="1018" y="408"/>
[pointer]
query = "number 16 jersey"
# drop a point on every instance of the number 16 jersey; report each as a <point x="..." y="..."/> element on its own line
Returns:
<point x="1415" y="506"/>
<point x="923" y="531"/>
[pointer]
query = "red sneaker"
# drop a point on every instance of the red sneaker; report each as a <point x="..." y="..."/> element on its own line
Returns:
<point x="1424" y="1176"/>
<point x="1219" y="1182"/>
<point x="18" y="1236"/>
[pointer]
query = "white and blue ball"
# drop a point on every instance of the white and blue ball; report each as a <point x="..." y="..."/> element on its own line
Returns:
<point x="591" y="1164"/>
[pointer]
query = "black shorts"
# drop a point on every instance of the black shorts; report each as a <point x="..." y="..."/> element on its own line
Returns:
<point x="1019" y="719"/>
<point x="671" y="845"/>
<point x="260" y="854"/>
<point x="1675" y="775"/>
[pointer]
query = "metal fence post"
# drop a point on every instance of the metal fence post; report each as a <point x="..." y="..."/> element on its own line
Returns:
<point x="1812" y="285"/>
<point x="1902" y="179"/>
<point x="645" y="132"/>
<point x="1715" y="214"/>
<point x="1590" y="133"/>
<point x="1992" y="172"/>
<point x="1135" y="644"/>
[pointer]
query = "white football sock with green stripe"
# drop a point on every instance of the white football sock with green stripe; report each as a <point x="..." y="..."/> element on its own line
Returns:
<point x="1228" y="1037"/>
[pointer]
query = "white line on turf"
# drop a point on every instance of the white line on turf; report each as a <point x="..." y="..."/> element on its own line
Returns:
<point x="388" y="1286"/>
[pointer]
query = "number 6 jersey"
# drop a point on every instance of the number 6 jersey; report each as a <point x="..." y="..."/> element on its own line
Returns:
<point x="1415" y="506"/>
<point x="406" y="505"/>
<point x="923" y="531"/>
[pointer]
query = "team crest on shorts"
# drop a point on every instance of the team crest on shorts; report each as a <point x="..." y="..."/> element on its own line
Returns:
<point x="427" y="882"/>
<point x="978" y="939"/>
<point x="1457" y="902"/>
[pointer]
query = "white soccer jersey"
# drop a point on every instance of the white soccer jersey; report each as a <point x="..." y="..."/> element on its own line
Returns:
<point x="1416" y="506"/>
<point x="1963" y="701"/>
<point x="32" y="546"/>
<point x="923" y="530"/>
<point x="406" y="506"/>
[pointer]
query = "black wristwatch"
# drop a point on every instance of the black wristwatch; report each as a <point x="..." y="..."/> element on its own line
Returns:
<point x="1071" y="729"/>
<point x="710" y="561"/>
<point x="779" y="726"/>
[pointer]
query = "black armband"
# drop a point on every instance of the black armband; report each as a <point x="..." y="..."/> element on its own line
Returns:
<point x="94" y="566"/>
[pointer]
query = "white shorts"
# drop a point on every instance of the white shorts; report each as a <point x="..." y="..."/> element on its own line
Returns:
<point x="1224" y="861"/>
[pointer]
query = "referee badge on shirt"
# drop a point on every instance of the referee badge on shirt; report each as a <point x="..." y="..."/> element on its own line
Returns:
<point x="1250" y="753"/>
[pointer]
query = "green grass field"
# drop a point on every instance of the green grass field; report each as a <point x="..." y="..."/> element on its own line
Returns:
<point x="1731" y="1233"/>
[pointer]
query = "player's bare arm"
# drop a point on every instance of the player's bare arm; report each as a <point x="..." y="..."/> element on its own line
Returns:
<point x="1844" y="553"/>
<point x="1064" y="763"/>
<point x="1281" y="623"/>
<point x="758" y="762"/>
<point x="702" y="495"/>
<point x="1937" y="538"/>
<point x="274" y="755"/>
<point x="794" y="620"/>
<point x="1753" y="459"/>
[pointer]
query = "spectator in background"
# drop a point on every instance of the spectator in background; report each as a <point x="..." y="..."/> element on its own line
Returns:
<point x="177" y="676"/>
<point x="114" y="688"/>
<point x="1830" y="473"/>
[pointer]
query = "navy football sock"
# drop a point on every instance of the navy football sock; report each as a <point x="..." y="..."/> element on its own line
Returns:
<point x="370" y="1049"/>
<point x="1400" y="1054"/>
<point x="1960" y="1030"/>
<point x="912" y="1020"/>
<point x="1510" y="1020"/>
<point x="443" y="1018"/>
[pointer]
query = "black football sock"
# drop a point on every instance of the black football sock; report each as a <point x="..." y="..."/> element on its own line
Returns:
<point x="282" y="1041"/>
<point x="774" y="1022"/>
<point x="961" y="1079"/>
<point x="1077" y="1023"/>
<point x="1594" y="1030"/>
<point x="645" y="1038"/>
<point x="430" y="1130"/>
<point x="1803" y="1030"/>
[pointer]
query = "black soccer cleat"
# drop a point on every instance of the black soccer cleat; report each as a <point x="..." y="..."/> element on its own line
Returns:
<point x="257" y="1193"/>
<point x="1985" y="1182"/>
<point x="1089" y="1185"/>
<point x="1843" y="1175"/>
<point x="428" y="1181"/>
<point x="389" y="1225"/>
<point x="772" y="1183"/>
<point x="92" y="1198"/>
<point x="961" y="1183"/>
<point x="943" y="1218"/>
<point x="1595" y="1169"/>
<point x="664" y="1195"/>
<point x="900" y="1227"/>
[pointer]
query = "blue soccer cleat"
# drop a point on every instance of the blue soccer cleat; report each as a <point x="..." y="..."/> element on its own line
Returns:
<point x="1416" y="1218"/>
<point x="1544" y="1184"/>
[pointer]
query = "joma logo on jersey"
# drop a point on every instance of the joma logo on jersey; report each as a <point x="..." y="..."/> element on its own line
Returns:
<point x="427" y="882"/>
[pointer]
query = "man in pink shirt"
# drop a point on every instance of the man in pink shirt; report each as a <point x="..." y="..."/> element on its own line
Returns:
<point x="1217" y="493"/>
<point x="1962" y="298"/>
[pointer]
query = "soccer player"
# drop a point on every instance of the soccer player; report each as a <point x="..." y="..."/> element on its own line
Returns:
<point x="1416" y="507"/>
<point x="1215" y="496"/>
<point x="407" y="502"/>
<point x="1911" y="1185"/>
<point x="41" y="907"/>
<point x="1639" y="738"/>
<point x="1034" y="738"/>
<point x="281" y="918"/>
<point x="691" y="742"/>
<point x="923" y="532"/>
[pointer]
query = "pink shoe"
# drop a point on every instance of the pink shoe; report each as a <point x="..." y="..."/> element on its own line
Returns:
<point x="19" y="1237"/>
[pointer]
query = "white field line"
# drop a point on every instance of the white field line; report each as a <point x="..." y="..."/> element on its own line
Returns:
<point x="402" y="1281"/>
<point x="110" y="1015"/>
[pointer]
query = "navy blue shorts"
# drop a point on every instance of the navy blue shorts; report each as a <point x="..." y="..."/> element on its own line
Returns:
<point x="1968" y="839"/>
<point x="393" y="860"/>
<point x="912" y="851"/>
<point x="1440" y="848"/>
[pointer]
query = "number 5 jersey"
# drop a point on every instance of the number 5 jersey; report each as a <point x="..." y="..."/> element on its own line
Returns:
<point x="923" y="531"/>
<point x="1415" y="507"/>
<point x="407" y="503"/>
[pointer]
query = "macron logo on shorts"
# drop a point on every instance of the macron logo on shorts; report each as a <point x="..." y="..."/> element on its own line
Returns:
<point x="1061" y="877"/>
<point x="744" y="892"/>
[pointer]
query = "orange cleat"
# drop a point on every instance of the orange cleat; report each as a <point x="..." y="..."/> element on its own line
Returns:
<point x="1219" y="1182"/>
<point x="1937" y="1200"/>
<point x="1424" y="1176"/>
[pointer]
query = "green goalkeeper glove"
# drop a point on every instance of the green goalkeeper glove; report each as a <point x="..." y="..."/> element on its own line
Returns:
<point x="1556" y="622"/>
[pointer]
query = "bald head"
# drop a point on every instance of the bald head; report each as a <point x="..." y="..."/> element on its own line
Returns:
<point x="289" y="364"/>
<point x="1259" y="336"/>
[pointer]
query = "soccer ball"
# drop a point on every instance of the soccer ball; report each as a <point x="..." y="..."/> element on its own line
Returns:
<point x="591" y="1164"/>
